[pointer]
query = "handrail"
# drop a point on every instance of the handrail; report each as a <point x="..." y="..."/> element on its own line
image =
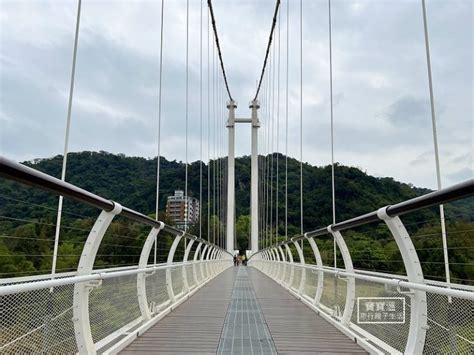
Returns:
<point x="452" y="193"/>
<point x="448" y="194"/>
<point x="388" y="279"/>
<point x="29" y="176"/>
<point x="102" y="275"/>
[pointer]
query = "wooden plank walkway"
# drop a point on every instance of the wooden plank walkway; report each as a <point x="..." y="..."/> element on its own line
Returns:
<point x="196" y="326"/>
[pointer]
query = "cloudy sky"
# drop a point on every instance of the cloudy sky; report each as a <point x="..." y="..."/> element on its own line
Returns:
<point x="381" y="99"/>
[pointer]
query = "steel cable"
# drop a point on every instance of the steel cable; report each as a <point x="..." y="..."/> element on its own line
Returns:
<point x="267" y="53"/>
<point x="214" y="27"/>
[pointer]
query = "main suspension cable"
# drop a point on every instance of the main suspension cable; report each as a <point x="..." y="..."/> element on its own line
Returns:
<point x="214" y="27"/>
<point x="277" y="6"/>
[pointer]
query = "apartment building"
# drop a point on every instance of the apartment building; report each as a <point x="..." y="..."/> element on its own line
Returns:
<point x="182" y="210"/>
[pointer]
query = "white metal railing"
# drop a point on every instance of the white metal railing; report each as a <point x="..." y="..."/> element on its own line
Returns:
<point x="438" y="316"/>
<point x="100" y="310"/>
<point x="318" y="291"/>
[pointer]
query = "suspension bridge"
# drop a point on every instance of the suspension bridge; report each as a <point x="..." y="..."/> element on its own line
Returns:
<point x="185" y="295"/>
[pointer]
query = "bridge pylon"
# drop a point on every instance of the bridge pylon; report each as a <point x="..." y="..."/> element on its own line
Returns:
<point x="231" y="106"/>
<point x="254" y="106"/>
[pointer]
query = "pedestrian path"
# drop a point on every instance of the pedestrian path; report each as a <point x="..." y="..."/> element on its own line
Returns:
<point x="245" y="330"/>
<point x="242" y="311"/>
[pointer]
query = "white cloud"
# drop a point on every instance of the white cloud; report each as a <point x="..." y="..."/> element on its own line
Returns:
<point x="381" y="111"/>
<point x="91" y="104"/>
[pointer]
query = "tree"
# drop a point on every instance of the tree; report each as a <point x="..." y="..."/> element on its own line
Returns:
<point x="242" y="231"/>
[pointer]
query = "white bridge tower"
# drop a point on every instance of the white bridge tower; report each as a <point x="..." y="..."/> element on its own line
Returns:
<point x="254" y="106"/>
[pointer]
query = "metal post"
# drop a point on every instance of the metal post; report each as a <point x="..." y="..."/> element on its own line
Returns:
<point x="418" y="303"/>
<point x="82" y="327"/>
<point x="292" y="268"/>
<point x="277" y="254"/>
<point x="350" y="287"/>
<point x="273" y="264"/>
<point x="303" y="269"/>
<point x="202" y="266"/>
<point x="319" y="264"/>
<point x="196" y="254"/>
<point x="264" y="258"/>
<point x="184" y="268"/>
<point x="213" y="264"/>
<point x="207" y="263"/>
<point x="169" y="269"/>
<point x="283" y="258"/>
<point x="231" y="105"/>
<point x="254" y="105"/>
<point x="141" y="278"/>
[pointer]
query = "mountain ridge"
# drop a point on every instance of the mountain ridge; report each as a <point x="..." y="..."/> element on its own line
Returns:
<point x="131" y="181"/>
<point x="28" y="215"/>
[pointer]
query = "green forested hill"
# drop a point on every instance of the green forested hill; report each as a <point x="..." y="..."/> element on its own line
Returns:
<point x="131" y="182"/>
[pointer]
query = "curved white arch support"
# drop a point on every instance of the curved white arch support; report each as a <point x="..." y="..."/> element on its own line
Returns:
<point x="303" y="270"/>
<point x="195" y="259"/>
<point x="211" y="262"/>
<point x="82" y="328"/>
<point x="319" y="264"/>
<point x="202" y="266"/>
<point x="223" y="258"/>
<point x="169" y="262"/>
<point x="185" y="262"/>
<point x="214" y="263"/>
<point x="292" y="269"/>
<point x="270" y="262"/>
<point x="271" y="271"/>
<point x="145" y="309"/>
<point x="267" y="262"/>
<point x="218" y="261"/>
<point x="261" y="259"/>
<point x="350" y="287"/>
<point x="278" y="263"/>
<point x="418" y="310"/>
<point x="206" y="261"/>
<point x="283" y="257"/>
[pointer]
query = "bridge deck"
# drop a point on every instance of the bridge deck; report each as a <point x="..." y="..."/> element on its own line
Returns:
<point x="242" y="312"/>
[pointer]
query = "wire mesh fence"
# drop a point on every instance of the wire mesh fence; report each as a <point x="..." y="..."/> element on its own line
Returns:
<point x="450" y="320"/>
<point x="38" y="321"/>
<point x="450" y="325"/>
